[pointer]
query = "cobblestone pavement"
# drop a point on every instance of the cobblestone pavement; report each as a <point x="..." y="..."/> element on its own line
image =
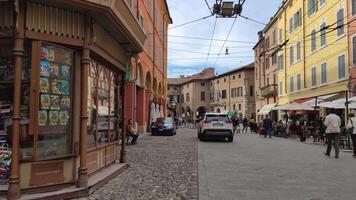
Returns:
<point x="161" y="167"/>
<point x="255" y="168"/>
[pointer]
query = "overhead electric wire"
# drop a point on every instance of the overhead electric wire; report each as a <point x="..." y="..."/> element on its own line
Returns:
<point x="227" y="37"/>
<point x="190" y="22"/>
<point x="202" y="38"/>
<point x="211" y="41"/>
<point x="192" y="44"/>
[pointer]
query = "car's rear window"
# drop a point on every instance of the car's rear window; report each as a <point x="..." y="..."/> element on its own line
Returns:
<point x="220" y="118"/>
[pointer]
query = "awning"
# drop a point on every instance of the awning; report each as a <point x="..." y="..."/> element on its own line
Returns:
<point x="320" y="99"/>
<point x="232" y="113"/>
<point x="340" y="103"/>
<point x="293" y="106"/>
<point x="266" y="109"/>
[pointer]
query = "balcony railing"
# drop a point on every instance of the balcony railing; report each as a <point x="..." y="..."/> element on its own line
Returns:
<point x="269" y="90"/>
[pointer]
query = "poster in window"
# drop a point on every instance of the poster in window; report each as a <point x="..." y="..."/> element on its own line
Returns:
<point x="56" y="87"/>
<point x="65" y="103"/>
<point x="44" y="85"/>
<point x="54" y="70"/>
<point x="45" y="101"/>
<point x="44" y="53"/>
<point x="45" y="68"/>
<point x="65" y="72"/>
<point x="53" y="118"/>
<point x="50" y="56"/>
<point x="63" y="118"/>
<point x="42" y="117"/>
<point x="55" y="102"/>
<point x="64" y="87"/>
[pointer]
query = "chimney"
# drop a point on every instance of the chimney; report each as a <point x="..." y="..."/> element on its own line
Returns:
<point x="260" y="35"/>
<point x="181" y="76"/>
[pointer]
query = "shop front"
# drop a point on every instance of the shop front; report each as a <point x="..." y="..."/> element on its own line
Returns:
<point x="61" y="92"/>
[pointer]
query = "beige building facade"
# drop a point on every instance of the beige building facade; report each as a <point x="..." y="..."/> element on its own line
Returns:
<point x="189" y="95"/>
<point x="234" y="91"/>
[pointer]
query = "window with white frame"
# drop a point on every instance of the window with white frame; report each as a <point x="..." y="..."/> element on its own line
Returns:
<point x="354" y="50"/>
<point x="297" y="19"/>
<point x="299" y="82"/>
<point x="353" y="7"/>
<point x="323" y="75"/>
<point x="323" y="34"/>
<point x="280" y="36"/>
<point x="322" y="2"/>
<point x="312" y="7"/>
<point x="291" y="55"/>
<point x="340" y="22"/>
<point x="313" y="76"/>
<point x="274" y="37"/>
<point x="341" y="67"/>
<point x="280" y="62"/>
<point x="298" y="51"/>
<point x="313" y="40"/>
<point x="291" y="84"/>
<point x="280" y="88"/>
<point x="291" y="25"/>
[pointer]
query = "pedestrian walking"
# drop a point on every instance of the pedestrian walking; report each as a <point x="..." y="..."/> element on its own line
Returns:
<point x="332" y="123"/>
<point x="267" y="126"/>
<point x="352" y="129"/>
<point x="244" y="124"/>
<point x="321" y="136"/>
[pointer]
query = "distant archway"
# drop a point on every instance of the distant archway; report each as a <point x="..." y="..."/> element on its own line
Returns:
<point x="200" y="112"/>
<point x="148" y="80"/>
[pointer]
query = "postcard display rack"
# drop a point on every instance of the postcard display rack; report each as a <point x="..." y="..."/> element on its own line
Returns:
<point x="7" y="74"/>
<point x="54" y="109"/>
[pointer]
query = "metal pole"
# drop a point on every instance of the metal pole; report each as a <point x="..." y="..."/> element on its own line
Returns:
<point x="123" y="134"/>
<point x="347" y="115"/>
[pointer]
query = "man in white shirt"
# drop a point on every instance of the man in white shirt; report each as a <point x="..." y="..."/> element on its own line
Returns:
<point x="332" y="123"/>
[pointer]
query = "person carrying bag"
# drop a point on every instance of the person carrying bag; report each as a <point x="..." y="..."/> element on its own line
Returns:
<point x="352" y="131"/>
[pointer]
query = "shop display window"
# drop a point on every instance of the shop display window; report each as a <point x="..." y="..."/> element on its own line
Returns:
<point x="102" y="106"/>
<point x="7" y="75"/>
<point x="54" y="130"/>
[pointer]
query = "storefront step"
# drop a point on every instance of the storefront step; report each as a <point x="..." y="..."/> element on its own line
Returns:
<point x="94" y="182"/>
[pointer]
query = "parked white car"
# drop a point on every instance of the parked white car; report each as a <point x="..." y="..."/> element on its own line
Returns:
<point x="216" y="125"/>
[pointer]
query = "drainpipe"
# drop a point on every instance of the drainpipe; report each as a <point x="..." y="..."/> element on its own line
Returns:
<point x="154" y="42"/>
<point x="304" y="48"/>
<point x="285" y="50"/>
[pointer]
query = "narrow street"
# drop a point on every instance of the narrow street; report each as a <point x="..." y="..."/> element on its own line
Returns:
<point x="251" y="167"/>
<point x="161" y="167"/>
<point x="255" y="168"/>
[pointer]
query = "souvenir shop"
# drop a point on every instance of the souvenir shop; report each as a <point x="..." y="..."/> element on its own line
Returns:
<point x="62" y="94"/>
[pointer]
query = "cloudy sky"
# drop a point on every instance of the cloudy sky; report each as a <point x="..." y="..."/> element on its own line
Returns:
<point x="188" y="56"/>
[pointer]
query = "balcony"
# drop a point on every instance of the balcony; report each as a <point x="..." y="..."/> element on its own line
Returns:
<point x="269" y="90"/>
<point x="117" y="18"/>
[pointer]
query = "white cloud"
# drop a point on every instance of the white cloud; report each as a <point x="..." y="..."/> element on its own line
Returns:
<point x="244" y="30"/>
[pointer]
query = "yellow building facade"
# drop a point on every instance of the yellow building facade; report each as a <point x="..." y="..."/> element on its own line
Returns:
<point x="312" y="58"/>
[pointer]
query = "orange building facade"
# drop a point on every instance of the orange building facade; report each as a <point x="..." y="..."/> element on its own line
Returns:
<point x="148" y="78"/>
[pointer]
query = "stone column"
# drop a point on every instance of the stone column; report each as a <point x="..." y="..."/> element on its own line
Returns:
<point x="148" y="99"/>
<point x="129" y="99"/>
<point x="141" y="110"/>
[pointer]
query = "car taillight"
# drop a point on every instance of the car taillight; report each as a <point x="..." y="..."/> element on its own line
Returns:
<point x="228" y="122"/>
<point x="205" y="122"/>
